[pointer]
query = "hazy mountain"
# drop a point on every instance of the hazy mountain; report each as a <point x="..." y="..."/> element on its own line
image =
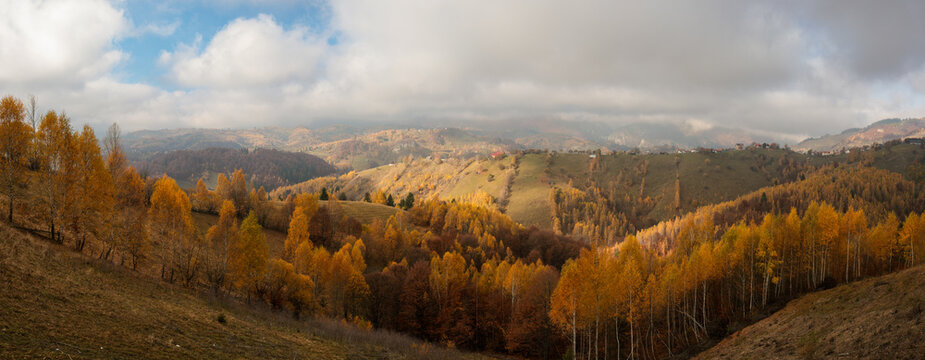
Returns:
<point x="878" y="132"/>
<point x="269" y="168"/>
<point x="647" y="136"/>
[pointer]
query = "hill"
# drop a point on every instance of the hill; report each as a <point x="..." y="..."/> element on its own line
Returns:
<point x="522" y="184"/>
<point x="146" y="142"/>
<point x="90" y="309"/>
<point x="879" y="317"/>
<point x="346" y="147"/>
<point x="878" y="132"/>
<point x="265" y="167"/>
<point x="392" y="146"/>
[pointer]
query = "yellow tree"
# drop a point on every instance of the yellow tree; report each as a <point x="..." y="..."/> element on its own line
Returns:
<point x="564" y="303"/>
<point x="131" y="215"/>
<point x="205" y="200"/>
<point x="15" y="142"/>
<point x="223" y="187"/>
<point x="219" y="239"/>
<point x="346" y="287"/>
<point x="827" y="222"/>
<point x="92" y="199"/>
<point x="853" y="227"/>
<point x="238" y="192"/>
<point x="912" y="236"/>
<point x="309" y="204"/>
<point x="767" y="255"/>
<point x="286" y="287"/>
<point x="56" y="157"/>
<point x="298" y="234"/>
<point x="248" y="259"/>
<point x="170" y="224"/>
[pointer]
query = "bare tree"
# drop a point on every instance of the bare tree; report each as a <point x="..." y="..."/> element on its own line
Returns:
<point x="32" y="111"/>
<point x="111" y="141"/>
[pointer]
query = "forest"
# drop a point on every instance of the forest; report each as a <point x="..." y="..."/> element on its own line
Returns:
<point x="456" y="273"/>
<point x="266" y="168"/>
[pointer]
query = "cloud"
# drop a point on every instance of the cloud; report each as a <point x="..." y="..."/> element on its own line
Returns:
<point x="159" y="29"/>
<point x="58" y="41"/>
<point x="248" y="52"/>
<point x="787" y="69"/>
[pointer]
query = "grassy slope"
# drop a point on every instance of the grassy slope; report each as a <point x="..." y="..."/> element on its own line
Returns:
<point x="59" y="304"/>
<point x="365" y="212"/>
<point x="880" y="317"/>
<point x="529" y="193"/>
<point x="705" y="179"/>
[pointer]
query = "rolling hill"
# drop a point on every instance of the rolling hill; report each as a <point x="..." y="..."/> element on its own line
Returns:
<point x="264" y="167"/>
<point x="520" y="184"/>
<point x="879" y="317"/>
<point x="878" y="132"/>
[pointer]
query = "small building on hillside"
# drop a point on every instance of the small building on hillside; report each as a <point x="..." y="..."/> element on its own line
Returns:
<point x="498" y="155"/>
<point x="740" y="146"/>
<point x="917" y="141"/>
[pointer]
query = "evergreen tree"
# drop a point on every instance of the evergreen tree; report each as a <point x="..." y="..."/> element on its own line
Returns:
<point x="407" y="202"/>
<point x="390" y="201"/>
<point x="324" y="194"/>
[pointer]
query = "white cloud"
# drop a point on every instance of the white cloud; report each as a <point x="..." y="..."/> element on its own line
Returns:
<point x="787" y="69"/>
<point x="248" y="52"/>
<point x="58" y="41"/>
<point x="159" y="29"/>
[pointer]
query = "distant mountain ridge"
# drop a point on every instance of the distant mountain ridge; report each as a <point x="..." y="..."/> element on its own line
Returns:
<point x="269" y="168"/>
<point x="343" y="145"/>
<point x="878" y="132"/>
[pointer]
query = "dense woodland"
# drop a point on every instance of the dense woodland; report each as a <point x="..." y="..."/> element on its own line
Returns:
<point x="265" y="167"/>
<point x="456" y="273"/>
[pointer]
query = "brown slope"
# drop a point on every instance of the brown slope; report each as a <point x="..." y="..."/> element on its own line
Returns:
<point x="58" y="304"/>
<point x="876" y="318"/>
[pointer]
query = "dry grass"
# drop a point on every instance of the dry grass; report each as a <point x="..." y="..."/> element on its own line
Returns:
<point x="62" y="305"/>
<point x="877" y="318"/>
<point x="528" y="203"/>
<point x="365" y="212"/>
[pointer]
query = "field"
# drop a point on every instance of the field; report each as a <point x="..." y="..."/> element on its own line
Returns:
<point x="528" y="203"/>
<point x="85" y="309"/>
<point x="365" y="212"/>
<point x="880" y="317"/>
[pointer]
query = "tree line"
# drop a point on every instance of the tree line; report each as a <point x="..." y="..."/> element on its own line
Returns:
<point x="455" y="272"/>
<point x="635" y="302"/>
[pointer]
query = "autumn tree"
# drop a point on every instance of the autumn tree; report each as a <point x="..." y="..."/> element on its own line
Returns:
<point x="130" y="215"/>
<point x="205" y="200"/>
<point x="298" y="234"/>
<point x="55" y="142"/>
<point x="15" y="149"/>
<point x="219" y="240"/>
<point x="248" y="257"/>
<point x="238" y="192"/>
<point x="171" y="225"/>
<point x="92" y="199"/>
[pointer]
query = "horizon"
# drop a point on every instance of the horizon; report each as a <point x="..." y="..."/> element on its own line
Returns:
<point x="790" y="70"/>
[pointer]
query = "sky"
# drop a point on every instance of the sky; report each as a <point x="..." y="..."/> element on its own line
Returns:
<point x="788" y="69"/>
